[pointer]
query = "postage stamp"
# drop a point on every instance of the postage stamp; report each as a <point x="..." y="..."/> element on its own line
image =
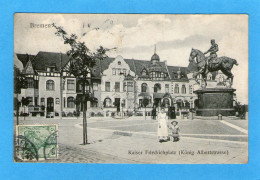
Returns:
<point x="36" y="142"/>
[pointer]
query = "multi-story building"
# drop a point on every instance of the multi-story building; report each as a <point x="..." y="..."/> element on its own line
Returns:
<point x="119" y="84"/>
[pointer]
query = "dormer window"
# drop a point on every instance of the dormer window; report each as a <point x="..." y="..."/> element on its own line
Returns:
<point x="119" y="63"/>
<point x="50" y="69"/>
<point x="144" y="72"/>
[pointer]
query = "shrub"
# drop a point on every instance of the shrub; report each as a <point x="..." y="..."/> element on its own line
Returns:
<point x="92" y="114"/>
<point x="129" y="113"/>
<point x="139" y="114"/>
<point x="99" y="114"/>
<point x="63" y="114"/>
<point x="70" y="114"/>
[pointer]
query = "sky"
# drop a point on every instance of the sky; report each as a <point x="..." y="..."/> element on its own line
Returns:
<point x="135" y="35"/>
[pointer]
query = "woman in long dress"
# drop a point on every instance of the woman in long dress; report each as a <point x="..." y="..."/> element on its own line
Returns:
<point x="162" y="126"/>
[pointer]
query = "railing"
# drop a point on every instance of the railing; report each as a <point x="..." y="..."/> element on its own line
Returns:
<point x="36" y="108"/>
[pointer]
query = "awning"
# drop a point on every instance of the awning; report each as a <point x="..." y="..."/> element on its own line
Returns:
<point x="158" y="95"/>
<point x="144" y="94"/>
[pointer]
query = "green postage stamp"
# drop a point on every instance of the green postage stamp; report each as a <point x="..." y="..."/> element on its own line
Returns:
<point x="36" y="142"/>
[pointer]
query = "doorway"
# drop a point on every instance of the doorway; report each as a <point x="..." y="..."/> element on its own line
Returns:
<point x="117" y="104"/>
<point x="50" y="107"/>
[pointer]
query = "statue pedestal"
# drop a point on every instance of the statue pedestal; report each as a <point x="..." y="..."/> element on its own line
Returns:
<point x="215" y="101"/>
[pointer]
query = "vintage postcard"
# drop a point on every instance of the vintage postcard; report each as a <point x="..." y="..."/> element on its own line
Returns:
<point x="131" y="88"/>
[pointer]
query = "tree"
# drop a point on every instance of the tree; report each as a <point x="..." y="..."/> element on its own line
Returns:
<point x="19" y="83"/>
<point x="81" y="65"/>
<point x="146" y="102"/>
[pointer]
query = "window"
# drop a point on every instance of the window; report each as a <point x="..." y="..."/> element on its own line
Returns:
<point x="95" y="86"/>
<point x="140" y="103"/>
<point x="50" y="69"/>
<point x="107" y="102"/>
<point x="157" y="88"/>
<point x="183" y="89"/>
<point x="124" y="71"/>
<point x="30" y="83"/>
<point x="117" y="86"/>
<point x="118" y="71"/>
<point x="94" y="104"/>
<point x="190" y="89"/>
<point x="167" y="89"/>
<point x="107" y="86"/>
<point x="42" y="102"/>
<point x="130" y="86"/>
<point x="175" y="75"/>
<point x="176" y="89"/>
<point x="70" y="102"/>
<point x="124" y="86"/>
<point x="144" y="72"/>
<point x="70" y="84"/>
<point x="50" y="85"/>
<point x="166" y="102"/>
<point x="144" y="87"/>
<point x="114" y="71"/>
<point x="36" y="101"/>
<point x="119" y="63"/>
<point x="30" y="99"/>
<point x="80" y="86"/>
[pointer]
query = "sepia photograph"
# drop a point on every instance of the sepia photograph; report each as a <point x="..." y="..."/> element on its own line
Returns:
<point x="130" y="88"/>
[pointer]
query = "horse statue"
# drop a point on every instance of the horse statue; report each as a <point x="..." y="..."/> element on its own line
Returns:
<point x="225" y="64"/>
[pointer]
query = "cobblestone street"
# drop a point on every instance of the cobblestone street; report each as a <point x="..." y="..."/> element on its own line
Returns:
<point x="133" y="140"/>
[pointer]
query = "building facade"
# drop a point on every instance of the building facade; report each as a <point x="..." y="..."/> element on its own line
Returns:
<point x="120" y="86"/>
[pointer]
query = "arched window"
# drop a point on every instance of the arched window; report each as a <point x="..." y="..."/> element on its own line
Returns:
<point x="179" y="103"/>
<point x="183" y="89"/>
<point x="50" y="85"/>
<point x="144" y="87"/>
<point x="210" y="77"/>
<point x="176" y="89"/>
<point x="157" y="87"/>
<point x="107" y="102"/>
<point x="144" y="72"/>
<point x="70" y="102"/>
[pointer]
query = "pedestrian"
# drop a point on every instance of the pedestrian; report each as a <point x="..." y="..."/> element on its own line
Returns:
<point x="174" y="130"/>
<point x="162" y="126"/>
<point x="154" y="113"/>
<point x="169" y="112"/>
<point x="173" y="113"/>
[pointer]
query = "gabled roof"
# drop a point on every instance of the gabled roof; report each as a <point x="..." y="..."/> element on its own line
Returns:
<point x="28" y="68"/>
<point x="44" y="59"/>
<point x="174" y="70"/>
<point x="24" y="58"/>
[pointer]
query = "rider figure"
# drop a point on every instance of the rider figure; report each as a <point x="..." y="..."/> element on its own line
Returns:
<point x="213" y="51"/>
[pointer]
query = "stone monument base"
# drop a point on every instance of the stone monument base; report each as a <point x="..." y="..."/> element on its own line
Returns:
<point x="215" y="101"/>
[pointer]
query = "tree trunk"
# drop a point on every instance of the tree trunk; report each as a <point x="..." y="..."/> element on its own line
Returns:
<point x="144" y="113"/>
<point x="85" y="141"/>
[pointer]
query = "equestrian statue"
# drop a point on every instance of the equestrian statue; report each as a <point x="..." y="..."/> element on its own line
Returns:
<point x="211" y="63"/>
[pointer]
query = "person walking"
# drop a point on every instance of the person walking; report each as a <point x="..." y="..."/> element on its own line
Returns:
<point x="162" y="126"/>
